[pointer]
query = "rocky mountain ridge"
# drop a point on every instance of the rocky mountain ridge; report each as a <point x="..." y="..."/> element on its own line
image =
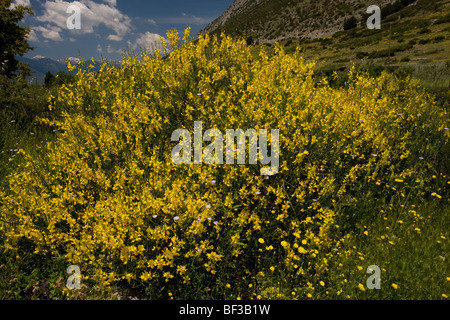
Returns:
<point x="275" y="20"/>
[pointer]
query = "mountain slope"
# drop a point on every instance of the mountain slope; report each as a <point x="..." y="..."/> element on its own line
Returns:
<point x="237" y="7"/>
<point x="40" y="65"/>
<point x="414" y="35"/>
<point x="274" y="20"/>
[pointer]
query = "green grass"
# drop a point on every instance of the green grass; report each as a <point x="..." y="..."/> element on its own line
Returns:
<point x="409" y="244"/>
<point x="19" y="106"/>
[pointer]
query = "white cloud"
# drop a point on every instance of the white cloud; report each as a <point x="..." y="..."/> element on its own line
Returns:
<point x="110" y="49"/>
<point x="32" y="36"/>
<point x="17" y="3"/>
<point x="146" y="40"/>
<point x="141" y="20"/>
<point x="92" y="15"/>
<point x="152" y="22"/>
<point x="114" y="37"/>
<point x="50" y="32"/>
<point x="186" y="19"/>
<point x="112" y="2"/>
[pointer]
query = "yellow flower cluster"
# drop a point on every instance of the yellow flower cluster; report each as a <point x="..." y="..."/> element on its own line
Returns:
<point x="106" y="195"/>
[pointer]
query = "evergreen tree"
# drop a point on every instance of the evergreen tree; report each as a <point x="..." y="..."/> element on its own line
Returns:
<point x="12" y="36"/>
<point x="350" y="23"/>
<point x="48" y="79"/>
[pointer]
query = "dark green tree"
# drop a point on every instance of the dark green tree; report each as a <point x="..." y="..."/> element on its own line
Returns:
<point x="49" y="78"/>
<point x="13" y="39"/>
<point x="350" y="23"/>
<point x="63" y="78"/>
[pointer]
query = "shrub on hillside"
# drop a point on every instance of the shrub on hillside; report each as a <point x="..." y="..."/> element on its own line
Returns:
<point x="106" y="195"/>
<point x="350" y="23"/>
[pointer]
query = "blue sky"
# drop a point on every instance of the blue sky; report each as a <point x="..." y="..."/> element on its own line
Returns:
<point x="110" y="26"/>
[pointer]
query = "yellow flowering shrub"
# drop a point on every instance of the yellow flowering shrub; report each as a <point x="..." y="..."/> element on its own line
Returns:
<point x="106" y="195"/>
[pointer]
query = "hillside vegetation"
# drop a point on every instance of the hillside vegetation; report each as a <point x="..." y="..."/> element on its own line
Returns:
<point x="414" y="35"/>
<point x="274" y="20"/>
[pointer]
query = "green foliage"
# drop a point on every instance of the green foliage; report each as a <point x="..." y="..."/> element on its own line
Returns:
<point x="288" y="43"/>
<point x="442" y="96"/>
<point x="20" y="102"/>
<point x="386" y="52"/>
<point x="20" y="105"/>
<point x="424" y="41"/>
<point x="48" y="78"/>
<point x="439" y="38"/>
<point x="424" y="31"/>
<point x="380" y="54"/>
<point x="371" y="69"/>
<point x="361" y="54"/>
<point x="12" y="36"/>
<point x="402" y="47"/>
<point x="407" y="2"/>
<point x="395" y="7"/>
<point x="444" y="19"/>
<point x="63" y="77"/>
<point x="350" y="23"/>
